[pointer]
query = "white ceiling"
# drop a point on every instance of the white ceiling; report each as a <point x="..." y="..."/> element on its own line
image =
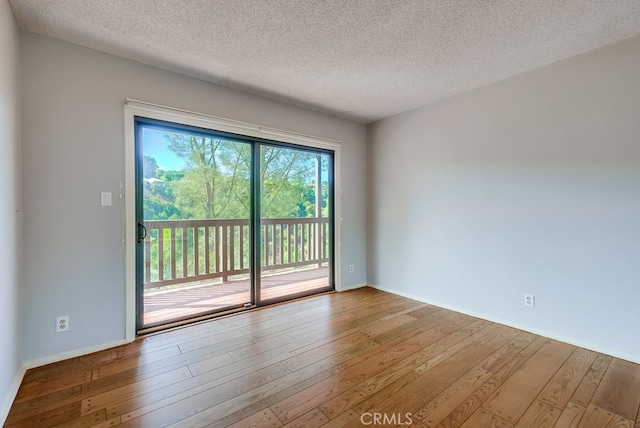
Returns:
<point x="358" y="59"/>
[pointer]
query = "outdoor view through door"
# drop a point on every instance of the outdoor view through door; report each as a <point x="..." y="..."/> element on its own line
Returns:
<point x="294" y="225"/>
<point x="227" y="222"/>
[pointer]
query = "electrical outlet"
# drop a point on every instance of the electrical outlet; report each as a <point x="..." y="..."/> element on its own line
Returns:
<point x="530" y="300"/>
<point x="62" y="324"/>
<point x="352" y="268"/>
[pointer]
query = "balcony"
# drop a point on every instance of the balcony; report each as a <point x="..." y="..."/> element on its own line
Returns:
<point x="194" y="267"/>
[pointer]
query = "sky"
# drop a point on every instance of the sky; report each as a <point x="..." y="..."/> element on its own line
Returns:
<point x="154" y="144"/>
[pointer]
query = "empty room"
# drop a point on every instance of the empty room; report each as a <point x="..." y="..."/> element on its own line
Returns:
<point x="275" y="213"/>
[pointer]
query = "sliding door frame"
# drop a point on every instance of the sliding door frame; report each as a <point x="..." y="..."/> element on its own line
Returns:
<point x="257" y="220"/>
<point x="144" y="122"/>
<point x="137" y="109"/>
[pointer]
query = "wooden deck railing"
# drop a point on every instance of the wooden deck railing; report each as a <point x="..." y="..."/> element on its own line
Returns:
<point x="178" y="251"/>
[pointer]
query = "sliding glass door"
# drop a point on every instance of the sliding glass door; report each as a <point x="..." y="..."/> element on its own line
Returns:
<point x="295" y="228"/>
<point x="227" y="222"/>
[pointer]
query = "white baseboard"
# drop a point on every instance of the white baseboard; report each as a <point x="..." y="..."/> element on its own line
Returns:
<point x="352" y="287"/>
<point x="540" y="332"/>
<point x="38" y="362"/>
<point x="5" y="405"/>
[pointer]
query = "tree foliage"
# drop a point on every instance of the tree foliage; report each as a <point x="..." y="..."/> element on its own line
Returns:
<point x="216" y="173"/>
<point x="215" y="182"/>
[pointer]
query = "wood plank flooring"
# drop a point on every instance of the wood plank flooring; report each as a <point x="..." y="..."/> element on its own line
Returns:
<point x="352" y="359"/>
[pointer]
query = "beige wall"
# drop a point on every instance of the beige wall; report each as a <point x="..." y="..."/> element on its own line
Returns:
<point x="10" y="209"/>
<point x="529" y="185"/>
<point x="73" y="101"/>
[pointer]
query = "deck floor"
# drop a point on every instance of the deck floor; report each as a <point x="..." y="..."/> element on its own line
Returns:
<point x="168" y="305"/>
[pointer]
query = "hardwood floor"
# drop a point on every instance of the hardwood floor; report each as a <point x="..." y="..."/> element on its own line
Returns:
<point x="336" y="360"/>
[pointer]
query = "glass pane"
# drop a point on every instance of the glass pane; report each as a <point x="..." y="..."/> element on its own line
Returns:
<point x="196" y="204"/>
<point x="295" y="234"/>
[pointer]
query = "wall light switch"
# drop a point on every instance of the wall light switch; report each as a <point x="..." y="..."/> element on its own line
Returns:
<point x="105" y="199"/>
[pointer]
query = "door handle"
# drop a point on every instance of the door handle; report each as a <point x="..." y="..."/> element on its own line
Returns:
<point x="142" y="229"/>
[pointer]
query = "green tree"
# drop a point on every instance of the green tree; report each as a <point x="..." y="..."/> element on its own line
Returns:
<point x="159" y="198"/>
<point x="286" y="176"/>
<point x="216" y="178"/>
<point x="215" y="174"/>
<point x="149" y="167"/>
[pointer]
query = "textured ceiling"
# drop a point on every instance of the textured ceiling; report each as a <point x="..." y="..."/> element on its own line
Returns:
<point x="358" y="59"/>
